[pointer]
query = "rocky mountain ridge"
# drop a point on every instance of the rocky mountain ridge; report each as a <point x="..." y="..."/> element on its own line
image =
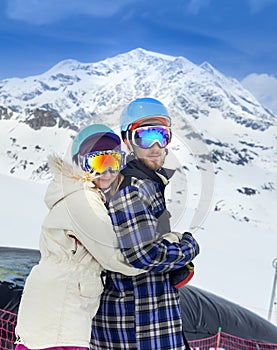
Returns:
<point x="235" y="134"/>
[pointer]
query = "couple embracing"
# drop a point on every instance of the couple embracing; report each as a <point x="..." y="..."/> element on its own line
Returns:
<point x="110" y="265"/>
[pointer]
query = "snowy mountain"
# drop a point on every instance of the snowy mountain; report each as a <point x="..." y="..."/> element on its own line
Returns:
<point x="236" y="135"/>
<point x="223" y="149"/>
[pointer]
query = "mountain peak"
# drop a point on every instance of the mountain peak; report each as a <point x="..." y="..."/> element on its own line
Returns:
<point x="207" y="66"/>
<point x="141" y="51"/>
<point x="40" y="114"/>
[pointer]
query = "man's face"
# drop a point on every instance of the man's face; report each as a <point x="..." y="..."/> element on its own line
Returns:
<point x="154" y="156"/>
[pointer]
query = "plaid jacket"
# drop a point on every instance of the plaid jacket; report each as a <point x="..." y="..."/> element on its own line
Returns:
<point x="142" y="312"/>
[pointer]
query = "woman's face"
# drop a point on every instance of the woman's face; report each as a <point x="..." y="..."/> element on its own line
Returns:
<point x="105" y="180"/>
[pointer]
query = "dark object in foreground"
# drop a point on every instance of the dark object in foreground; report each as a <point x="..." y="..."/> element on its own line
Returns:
<point x="202" y="314"/>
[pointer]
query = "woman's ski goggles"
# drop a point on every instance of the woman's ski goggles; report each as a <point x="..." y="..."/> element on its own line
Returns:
<point x="146" y="136"/>
<point x="102" y="161"/>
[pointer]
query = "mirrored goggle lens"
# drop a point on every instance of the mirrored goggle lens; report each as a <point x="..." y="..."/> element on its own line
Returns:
<point x="101" y="162"/>
<point x="145" y="137"/>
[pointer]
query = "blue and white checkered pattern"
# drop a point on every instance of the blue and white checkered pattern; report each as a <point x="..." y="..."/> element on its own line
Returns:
<point x="142" y="312"/>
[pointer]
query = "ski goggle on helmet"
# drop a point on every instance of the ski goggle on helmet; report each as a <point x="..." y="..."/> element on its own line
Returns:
<point x="103" y="161"/>
<point x="146" y="136"/>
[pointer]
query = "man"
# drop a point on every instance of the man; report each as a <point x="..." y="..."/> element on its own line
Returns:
<point x="143" y="312"/>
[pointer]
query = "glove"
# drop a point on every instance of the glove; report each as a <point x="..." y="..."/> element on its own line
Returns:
<point x="178" y="278"/>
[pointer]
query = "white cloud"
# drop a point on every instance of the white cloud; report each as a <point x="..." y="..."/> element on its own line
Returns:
<point x="40" y="12"/>
<point x="264" y="88"/>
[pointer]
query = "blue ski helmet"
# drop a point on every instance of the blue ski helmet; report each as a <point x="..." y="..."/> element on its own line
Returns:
<point x="95" y="137"/>
<point x="141" y="109"/>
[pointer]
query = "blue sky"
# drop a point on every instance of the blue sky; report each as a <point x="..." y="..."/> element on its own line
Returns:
<point x="237" y="37"/>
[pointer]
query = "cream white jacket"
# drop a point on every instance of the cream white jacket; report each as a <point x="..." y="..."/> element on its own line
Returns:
<point x="61" y="294"/>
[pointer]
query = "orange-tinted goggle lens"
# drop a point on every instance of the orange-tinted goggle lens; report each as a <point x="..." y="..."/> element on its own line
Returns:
<point x="101" y="162"/>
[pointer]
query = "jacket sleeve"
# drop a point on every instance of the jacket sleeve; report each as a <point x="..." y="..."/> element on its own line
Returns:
<point x="91" y="225"/>
<point x="135" y="225"/>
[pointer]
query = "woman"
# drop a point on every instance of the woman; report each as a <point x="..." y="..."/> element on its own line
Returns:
<point x="61" y="295"/>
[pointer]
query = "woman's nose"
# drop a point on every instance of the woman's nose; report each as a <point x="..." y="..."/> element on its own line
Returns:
<point x="107" y="174"/>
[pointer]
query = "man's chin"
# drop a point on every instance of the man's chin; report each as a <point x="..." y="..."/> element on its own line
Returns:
<point x="152" y="164"/>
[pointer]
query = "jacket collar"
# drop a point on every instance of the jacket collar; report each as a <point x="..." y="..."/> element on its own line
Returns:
<point x="138" y="169"/>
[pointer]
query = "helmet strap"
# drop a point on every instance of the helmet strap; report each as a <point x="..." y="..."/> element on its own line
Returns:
<point x="129" y="146"/>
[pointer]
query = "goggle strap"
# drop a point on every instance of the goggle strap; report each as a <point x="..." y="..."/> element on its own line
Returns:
<point x="163" y="119"/>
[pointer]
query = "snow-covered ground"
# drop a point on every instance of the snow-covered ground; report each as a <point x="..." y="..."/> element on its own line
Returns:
<point x="22" y="211"/>
<point x="235" y="261"/>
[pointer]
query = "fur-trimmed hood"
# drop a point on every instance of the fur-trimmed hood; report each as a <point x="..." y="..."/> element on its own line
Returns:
<point x="67" y="178"/>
